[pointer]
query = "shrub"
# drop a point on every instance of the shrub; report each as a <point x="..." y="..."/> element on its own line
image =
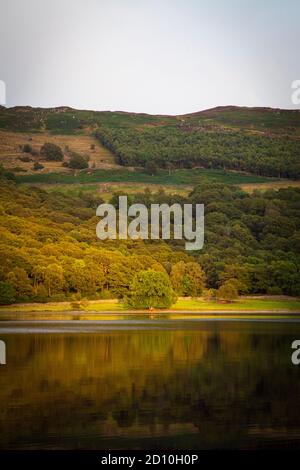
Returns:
<point x="227" y="291"/>
<point x="52" y="152"/>
<point x="7" y="293"/>
<point x="78" y="162"/>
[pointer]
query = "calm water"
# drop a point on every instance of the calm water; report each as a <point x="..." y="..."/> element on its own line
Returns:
<point x="149" y="383"/>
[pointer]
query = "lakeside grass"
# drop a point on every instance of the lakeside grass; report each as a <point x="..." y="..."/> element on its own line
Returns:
<point x="270" y="305"/>
<point x="238" y="305"/>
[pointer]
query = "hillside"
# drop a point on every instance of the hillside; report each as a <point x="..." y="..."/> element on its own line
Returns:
<point x="68" y="120"/>
<point x="49" y="249"/>
<point x="263" y="120"/>
<point x="260" y="141"/>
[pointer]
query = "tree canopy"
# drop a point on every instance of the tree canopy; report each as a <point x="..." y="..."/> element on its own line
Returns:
<point x="150" y="289"/>
<point x="49" y="248"/>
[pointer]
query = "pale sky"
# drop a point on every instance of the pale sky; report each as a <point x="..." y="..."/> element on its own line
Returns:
<point x="154" y="56"/>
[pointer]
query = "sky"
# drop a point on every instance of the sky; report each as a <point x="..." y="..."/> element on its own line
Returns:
<point x="152" y="56"/>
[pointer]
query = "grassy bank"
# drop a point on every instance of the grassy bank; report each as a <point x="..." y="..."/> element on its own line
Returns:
<point x="259" y="304"/>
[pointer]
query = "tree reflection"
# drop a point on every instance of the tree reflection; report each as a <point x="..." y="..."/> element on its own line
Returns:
<point x="217" y="386"/>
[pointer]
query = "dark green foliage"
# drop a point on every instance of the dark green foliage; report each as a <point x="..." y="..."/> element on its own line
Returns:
<point x="78" y="162"/>
<point x="6" y="175"/>
<point x="187" y="147"/>
<point x="63" y="122"/>
<point x="151" y="168"/>
<point x="52" y="152"/>
<point x="251" y="238"/>
<point x="7" y="293"/>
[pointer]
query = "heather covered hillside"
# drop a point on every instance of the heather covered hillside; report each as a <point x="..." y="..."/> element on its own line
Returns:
<point x="260" y="141"/>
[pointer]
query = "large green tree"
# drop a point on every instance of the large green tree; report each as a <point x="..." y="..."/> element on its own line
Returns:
<point x="150" y="289"/>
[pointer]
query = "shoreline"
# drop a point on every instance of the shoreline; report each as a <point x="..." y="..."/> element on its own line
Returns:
<point x="129" y="315"/>
<point x="247" y="305"/>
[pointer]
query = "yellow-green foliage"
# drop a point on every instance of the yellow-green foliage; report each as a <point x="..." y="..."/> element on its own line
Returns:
<point x="49" y="249"/>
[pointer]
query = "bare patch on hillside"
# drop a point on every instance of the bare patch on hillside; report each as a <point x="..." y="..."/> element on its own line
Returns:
<point x="11" y="145"/>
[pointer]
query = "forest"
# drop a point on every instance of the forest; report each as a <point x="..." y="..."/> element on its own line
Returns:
<point x="188" y="147"/>
<point x="49" y="249"/>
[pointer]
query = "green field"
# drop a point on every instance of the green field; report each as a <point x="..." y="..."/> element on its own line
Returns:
<point x="184" y="176"/>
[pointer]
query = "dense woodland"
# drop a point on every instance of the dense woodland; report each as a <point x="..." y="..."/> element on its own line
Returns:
<point x="49" y="249"/>
<point x="187" y="147"/>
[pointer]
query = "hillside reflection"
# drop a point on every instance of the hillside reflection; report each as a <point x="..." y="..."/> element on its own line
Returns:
<point x="221" y="385"/>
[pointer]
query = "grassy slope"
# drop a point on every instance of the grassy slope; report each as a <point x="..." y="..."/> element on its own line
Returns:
<point x="11" y="144"/>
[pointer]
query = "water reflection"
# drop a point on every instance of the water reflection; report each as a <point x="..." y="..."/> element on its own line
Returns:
<point x="220" y="385"/>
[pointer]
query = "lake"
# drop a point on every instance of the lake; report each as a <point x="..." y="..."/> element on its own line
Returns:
<point x="147" y="382"/>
